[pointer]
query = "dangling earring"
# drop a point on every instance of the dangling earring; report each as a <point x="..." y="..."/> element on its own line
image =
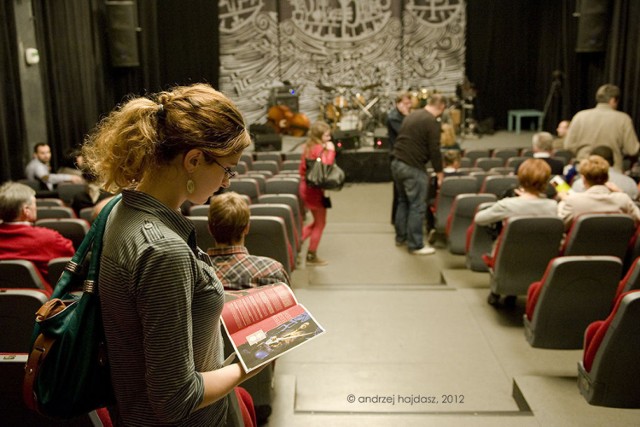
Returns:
<point x="191" y="186"/>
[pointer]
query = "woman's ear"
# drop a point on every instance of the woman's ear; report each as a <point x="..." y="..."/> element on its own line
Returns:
<point x="192" y="159"/>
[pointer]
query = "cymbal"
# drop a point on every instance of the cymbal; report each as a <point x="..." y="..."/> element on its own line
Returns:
<point x="371" y="86"/>
<point x="325" y="88"/>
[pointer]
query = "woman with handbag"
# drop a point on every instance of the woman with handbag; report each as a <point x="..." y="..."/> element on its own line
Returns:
<point x="160" y="298"/>
<point x="318" y="146"/>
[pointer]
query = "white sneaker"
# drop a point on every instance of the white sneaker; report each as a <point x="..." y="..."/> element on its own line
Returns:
<point x="425" y="250"/>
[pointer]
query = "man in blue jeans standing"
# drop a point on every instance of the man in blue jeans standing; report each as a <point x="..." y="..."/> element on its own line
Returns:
<point x="418" y="143"/>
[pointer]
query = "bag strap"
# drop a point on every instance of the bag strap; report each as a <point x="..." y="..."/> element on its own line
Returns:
<point x="39" y="351"/>
<point x="91" y="242"/>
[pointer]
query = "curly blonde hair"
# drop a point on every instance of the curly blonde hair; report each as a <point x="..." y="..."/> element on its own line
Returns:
<point x="146" y="133"/>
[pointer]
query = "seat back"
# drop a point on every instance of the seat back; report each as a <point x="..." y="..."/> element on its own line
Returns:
<point x="293" y="165"/>
<point x="86" y="214"/>
<point x="499" y="184"/>
<point x="503" y="170"/>
<point x="289" y="200"/>
<point x="486" y="163"/>
<point x="246" y="186"/>
<point x="575" y="291"/>
<point x="608" y="374"/>
<point x="56" y="267"/>
<point x="282" y="211"/>
<point x="450" y="188"/>
<point x="19" y="273"/>
<point x="261" y="177"/>
<point x="248" y="159"/>
<point x="631" y="281"/>
<point x="47" y="212"/>
<point x="285" y="185"/>
<point x="587" y="235"/>
<point x="17" y="317"/>
<point x="523" y="250"/>
<point x="475" y="154"/>
<point x="514" y="162"/>
<point x="199" y="210"/>
<point x="67" y="191"/>
<point x="204" y="239"/>
<point x="480" y="177"/>
<point x="567" y="155"/>
<point x="268" y="237"/>
<point x="270" y="155"/>
<point x="466" y="162"/>
<point x="48" y="201"/>
<point x="462" y="213"/>
<point x="266" y="165"/>
<point x="479" y="242"/>
<point x="73" y="229"/>
<point x="505" y="153"/>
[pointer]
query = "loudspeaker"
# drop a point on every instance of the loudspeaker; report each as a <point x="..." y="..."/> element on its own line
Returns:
<point x="593" y="23"/>
<point x="365" y="165"/>
<point x="122" y="37"/>
<point x="267" y="142"/>
<point x="346" y="139"/>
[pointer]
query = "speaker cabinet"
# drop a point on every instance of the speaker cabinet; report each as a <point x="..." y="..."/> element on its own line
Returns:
<point x="593" y="25"/>
<point x="122" y="33"/>
<point x="267" y="142"/>
<point x="346" y="139"/>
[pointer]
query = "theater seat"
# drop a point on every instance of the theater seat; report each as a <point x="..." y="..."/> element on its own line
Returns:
<point x="574" y="291"/>
<point x="18" y="316"/>
<point x="524" y="248"/>
<point x="460" y="218"/>
<point x="631" y="281"/>
<point x="608" y="374"/>
<point x="478" y="243"/>
<point x="587" y="232"/>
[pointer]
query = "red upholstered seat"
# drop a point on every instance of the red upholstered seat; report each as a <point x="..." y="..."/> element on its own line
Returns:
<point x="595" y="333"/>
<point x="533" y="293"/>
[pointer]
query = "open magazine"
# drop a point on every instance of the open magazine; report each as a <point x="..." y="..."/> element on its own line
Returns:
<point x="264" y="323"/>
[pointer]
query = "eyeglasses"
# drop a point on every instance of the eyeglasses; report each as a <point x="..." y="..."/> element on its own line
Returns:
<point x="227" y="171"/>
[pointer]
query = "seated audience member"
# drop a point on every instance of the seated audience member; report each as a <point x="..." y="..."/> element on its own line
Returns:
<point x="533" y="176"/>
<point x="622" y="181"/>
<point x="229" y="223"/>
<point x="91" y="196"/>
<point x="599" y="196"/>
<point x="39" y="169"/>
<point x="542" y="144"/>
<point x="563" y="128"/>
<point x="19" y="238"/>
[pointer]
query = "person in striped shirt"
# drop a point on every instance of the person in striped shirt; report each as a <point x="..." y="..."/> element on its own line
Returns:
<point x="160" y="298"/>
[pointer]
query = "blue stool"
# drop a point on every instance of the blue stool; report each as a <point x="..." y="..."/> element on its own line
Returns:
<point x="517" y="115"/>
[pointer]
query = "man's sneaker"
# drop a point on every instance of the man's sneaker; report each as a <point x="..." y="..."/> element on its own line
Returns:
<point x="425" y="250"/>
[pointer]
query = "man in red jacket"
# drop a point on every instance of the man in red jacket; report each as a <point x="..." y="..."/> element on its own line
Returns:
<point x="19" y="238"/>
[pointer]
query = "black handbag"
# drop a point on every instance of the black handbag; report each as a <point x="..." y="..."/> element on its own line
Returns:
<point x="67" y="373"/>
<point x="326" y="177"/>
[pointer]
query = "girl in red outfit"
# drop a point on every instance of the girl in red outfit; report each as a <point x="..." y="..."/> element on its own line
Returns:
<point x="318" y="145"/>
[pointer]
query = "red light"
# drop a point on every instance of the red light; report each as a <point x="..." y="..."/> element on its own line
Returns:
<point x="378" y="143"/>
<point x="339" y="144"/>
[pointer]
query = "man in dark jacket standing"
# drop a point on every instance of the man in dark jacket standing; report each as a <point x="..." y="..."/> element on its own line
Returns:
<point x="418" y="143"/>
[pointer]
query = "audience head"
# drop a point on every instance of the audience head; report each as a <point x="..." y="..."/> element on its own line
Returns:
<point x="403" y="102"/>
<point x="563" y="128"/>
<point x="542" y="141"/>
<point x="451" y="158"/>
<point x="147" y="134"/>
<point x="228" y="218"/>
<point x="317" y="131"/>
<point x="594" y="170"/>
<point x="42" y="152"/>
<point x="17" y="202"/>
<point x="604" y="152"/>
<point x="608" y="93"/>
<point x="533" y="175"/>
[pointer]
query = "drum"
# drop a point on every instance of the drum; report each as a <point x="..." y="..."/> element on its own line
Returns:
<point x="340" y="101"/>
<point x="349" y="121"/>
<point x="359" y="98"/>
<point x="331" y="113"/>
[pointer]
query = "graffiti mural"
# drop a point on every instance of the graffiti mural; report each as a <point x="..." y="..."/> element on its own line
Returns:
<point x="340" y="57"/>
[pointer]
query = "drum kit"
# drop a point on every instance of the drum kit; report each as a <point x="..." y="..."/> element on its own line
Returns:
<point x="347" y="108"/>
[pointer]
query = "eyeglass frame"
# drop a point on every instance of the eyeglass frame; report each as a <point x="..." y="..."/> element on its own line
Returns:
<point x="229" y="173"/>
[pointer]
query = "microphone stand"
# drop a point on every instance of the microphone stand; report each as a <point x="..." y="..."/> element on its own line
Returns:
<point x="555" y="85"/>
